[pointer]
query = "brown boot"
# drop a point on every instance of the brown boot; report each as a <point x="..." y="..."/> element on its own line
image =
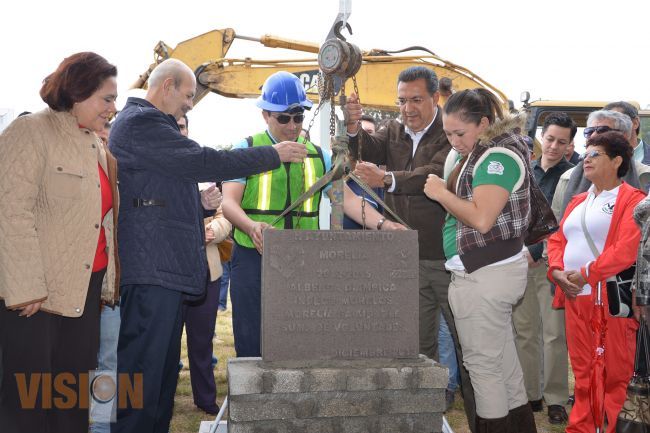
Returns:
<point x="491" y="425"/>
<point x="521" y="420"/>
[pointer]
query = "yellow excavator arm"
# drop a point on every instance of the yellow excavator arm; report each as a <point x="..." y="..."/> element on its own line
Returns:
<point x="243" y="78"/>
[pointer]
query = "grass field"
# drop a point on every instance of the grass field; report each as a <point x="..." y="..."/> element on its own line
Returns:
<point x="187" y="417"/>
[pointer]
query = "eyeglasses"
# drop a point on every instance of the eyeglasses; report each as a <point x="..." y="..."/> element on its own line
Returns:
<point x="283" y="119"/>
<point x="593" y="154"/>
<point x="599" y="129"/>
<point x="416" y="100"/>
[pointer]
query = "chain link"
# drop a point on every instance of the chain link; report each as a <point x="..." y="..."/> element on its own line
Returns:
<point x="320" y="85"/>
<point x="326" y="93"/>
<point x="363" y="209"/>
<point x="359" y="149"/>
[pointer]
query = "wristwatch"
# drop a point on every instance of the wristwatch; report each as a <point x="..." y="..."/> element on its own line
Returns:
<point x="388" y="179"/>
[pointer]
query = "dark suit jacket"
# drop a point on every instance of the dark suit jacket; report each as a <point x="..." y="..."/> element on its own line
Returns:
<point x="393" y="147"/>
<point x="646" y="153"/>
<point x="163" y="244"/>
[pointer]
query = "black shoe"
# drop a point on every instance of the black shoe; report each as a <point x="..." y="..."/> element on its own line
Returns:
<point x="521" y="420"/>
<point x="213" y="410"/>
<point x="557" y="414"/>
<point x="536" y="405"/>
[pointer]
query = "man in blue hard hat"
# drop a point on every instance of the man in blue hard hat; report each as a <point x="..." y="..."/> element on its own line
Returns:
<point x="253" y="203"/>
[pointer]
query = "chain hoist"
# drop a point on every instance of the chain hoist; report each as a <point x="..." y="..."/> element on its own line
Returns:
<point x="338" y="61"/>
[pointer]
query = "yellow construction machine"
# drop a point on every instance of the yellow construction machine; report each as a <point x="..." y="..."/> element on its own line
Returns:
<point x="243" y="78"/>
<point x="206" y="54"/>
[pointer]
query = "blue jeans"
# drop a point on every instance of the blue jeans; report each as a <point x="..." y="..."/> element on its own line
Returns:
<point x="225" y="283"/>
<point x="246" y="298"/>
<point x="447" y="353"/>
<point x="109" y="331"/>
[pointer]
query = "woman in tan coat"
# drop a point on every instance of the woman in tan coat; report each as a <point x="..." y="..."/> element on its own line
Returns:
<point x="58" y="258"/>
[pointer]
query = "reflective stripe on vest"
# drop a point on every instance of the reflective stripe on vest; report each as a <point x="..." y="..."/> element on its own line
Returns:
<point x="310" y="179"/>
<point x="264" y="191"/>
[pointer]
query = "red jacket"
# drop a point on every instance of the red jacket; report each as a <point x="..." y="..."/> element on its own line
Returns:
<point x="620" y="247"/>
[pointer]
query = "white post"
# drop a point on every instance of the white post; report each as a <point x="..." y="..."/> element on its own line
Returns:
<point x="324" y="126"/>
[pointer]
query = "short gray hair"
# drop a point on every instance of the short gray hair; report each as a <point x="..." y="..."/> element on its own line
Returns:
<point x="170" y="68"/>
<point x="621" y="121"/>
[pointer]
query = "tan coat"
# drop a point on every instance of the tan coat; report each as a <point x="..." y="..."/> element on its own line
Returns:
<point x="221" y="228"/>
<point x="50" y="213"/>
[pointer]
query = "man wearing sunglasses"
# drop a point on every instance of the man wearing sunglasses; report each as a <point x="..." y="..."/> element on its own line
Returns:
<point x="253" y="203"/>
<point x="573" y="182"/>
<point x="641" y="149"/>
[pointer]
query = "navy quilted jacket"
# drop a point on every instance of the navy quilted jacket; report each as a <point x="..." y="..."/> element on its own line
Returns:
<point x="162" y="244"/>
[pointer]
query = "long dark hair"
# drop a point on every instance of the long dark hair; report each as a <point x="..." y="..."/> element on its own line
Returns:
<point x="75" y="80"/>
<point x="471" y="105"/>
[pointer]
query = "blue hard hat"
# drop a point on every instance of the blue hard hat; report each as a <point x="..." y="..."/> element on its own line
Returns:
<point x="282" y="91"/>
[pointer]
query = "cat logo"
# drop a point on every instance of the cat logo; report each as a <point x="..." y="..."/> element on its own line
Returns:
<point x="608" y="208"/>
<point x="495" y="167"/>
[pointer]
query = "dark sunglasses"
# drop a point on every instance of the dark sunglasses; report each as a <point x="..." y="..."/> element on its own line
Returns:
<point x="599" y="129"/>
<point x="283" y="119"/>
<point x="593" y="154"/>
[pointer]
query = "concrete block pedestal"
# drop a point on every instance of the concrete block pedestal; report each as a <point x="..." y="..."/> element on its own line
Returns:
<point x="336" y="396"/>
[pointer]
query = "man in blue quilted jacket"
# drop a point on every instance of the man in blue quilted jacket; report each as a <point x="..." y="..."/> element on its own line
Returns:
<point x="162" y="254"/>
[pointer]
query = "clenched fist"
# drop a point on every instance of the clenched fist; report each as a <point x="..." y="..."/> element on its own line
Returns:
<point x="434" y="187"/>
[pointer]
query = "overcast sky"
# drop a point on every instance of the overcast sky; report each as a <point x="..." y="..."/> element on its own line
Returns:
<point x="590" y="50"/>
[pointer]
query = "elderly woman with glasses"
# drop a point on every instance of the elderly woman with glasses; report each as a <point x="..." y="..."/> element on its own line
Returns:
<point x="598" y="238"/>
<point x="574" y="182"/>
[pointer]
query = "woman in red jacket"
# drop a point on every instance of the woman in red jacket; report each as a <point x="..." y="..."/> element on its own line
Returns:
<point x="606" y="210"/>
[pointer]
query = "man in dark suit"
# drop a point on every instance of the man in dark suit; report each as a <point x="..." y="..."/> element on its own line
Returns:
<point x="161" y="235"/>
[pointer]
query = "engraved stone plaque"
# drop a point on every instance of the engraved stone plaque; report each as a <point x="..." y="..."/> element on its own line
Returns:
<point x="342" y="294"/>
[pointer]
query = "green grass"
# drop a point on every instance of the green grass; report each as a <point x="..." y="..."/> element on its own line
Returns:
<point x="188" y="417"/>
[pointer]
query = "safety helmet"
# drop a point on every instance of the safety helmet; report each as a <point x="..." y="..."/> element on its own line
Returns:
<point x="283" y="91"/>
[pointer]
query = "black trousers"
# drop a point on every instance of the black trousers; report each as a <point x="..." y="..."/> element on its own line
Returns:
<point x="34" y="352"/>
<point x="200" y="318"/>
<point x="149" y="345"/>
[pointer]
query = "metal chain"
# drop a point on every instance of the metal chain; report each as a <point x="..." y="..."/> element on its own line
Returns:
<point x="322" y="84"/>
<point x="326" y="92"/>
<point x="359" y="148"/>
<point x="360" y="143"/>
<point x="332" y="113"/>
<point x="321" y="99"/>
<point x="363" y="209"/>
